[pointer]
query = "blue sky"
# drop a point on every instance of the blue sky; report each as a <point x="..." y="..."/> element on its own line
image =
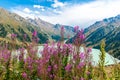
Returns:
<point x="68" y="12"/>
<point x="12" y="3"/>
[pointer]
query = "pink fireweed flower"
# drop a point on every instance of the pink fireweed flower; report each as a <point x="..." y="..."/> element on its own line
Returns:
<point x="5" y="55"/>
<point x="68" y="67"/>
<point x="76" y="28"/>
<point x="58" y="44"/>
<point x="75" y="56"/>
<point x="81" y="64"/>
<point x="62" y="28"/>
<point x="90" y="63"/>
<point x="55" y="52"/>
<point x="52" y="75"/>
<point x="81" y="78"/>
<point x="45" y="47"/>
<point x="82" y="55"/>
<point x="62" y="32"/>
<point x="79" y="38"/>
<point x="87" y="72"/>
<point x="24" y="75"/>
<point x="39" y="68"/>
<point x="21" y="56"/>
<point x="89" y="50"/>
<point x="29" y="61"/>
<point x="82" y="30"/>
<point x="64" y="48"/>
<point x="13" y="36"/>
<point x="55" y="66"/>
<point x="34" y="34"/>
<point x="37" y="61"/>
<point x="30" y="67"/>
<point x="37" y="40"/>
<point x="49" y="68"/>
<point x="70" y="48"/>
<point x="82" y="37"/>
<point x="67" y="49"/>
<point x="22" y="50"/>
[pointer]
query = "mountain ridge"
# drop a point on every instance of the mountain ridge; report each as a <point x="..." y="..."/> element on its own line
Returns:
<point x="13" y="23"/>
<point x="108" y="30"/>
<point x="52" y="29"/>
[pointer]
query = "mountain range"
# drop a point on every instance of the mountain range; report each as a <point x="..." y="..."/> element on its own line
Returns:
<point x="52" y="30"/>
<point x="13" y="23"/>
<point x="108" y="30"/>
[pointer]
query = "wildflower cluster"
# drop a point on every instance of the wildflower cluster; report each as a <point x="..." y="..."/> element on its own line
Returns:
<point x="58" y="61"/>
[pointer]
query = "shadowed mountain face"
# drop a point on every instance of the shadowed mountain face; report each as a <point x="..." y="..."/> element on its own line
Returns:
<point x="108" y="30"/>
<point x="12" y="23"/>
<point x="51" y="29"/>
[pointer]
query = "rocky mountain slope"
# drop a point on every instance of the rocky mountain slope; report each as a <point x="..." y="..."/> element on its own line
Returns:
<point x="51" y="29"/>
<point x="12" y="23"/>
<point x="109" y="30"/>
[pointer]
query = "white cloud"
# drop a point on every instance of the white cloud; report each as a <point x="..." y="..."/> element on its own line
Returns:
<point x="38" y="6"/>
<point x="37" y="12"/>
<point x="57" y="11"/>
<point x="81" y="14"/>
<point x="57" y="4"/>
<point x="43" y="9"/>
<point x="23" y="13"/>
<point x="27" y="10"/>
<point x="49" y="0"/>
<point x="86" y="14"/>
